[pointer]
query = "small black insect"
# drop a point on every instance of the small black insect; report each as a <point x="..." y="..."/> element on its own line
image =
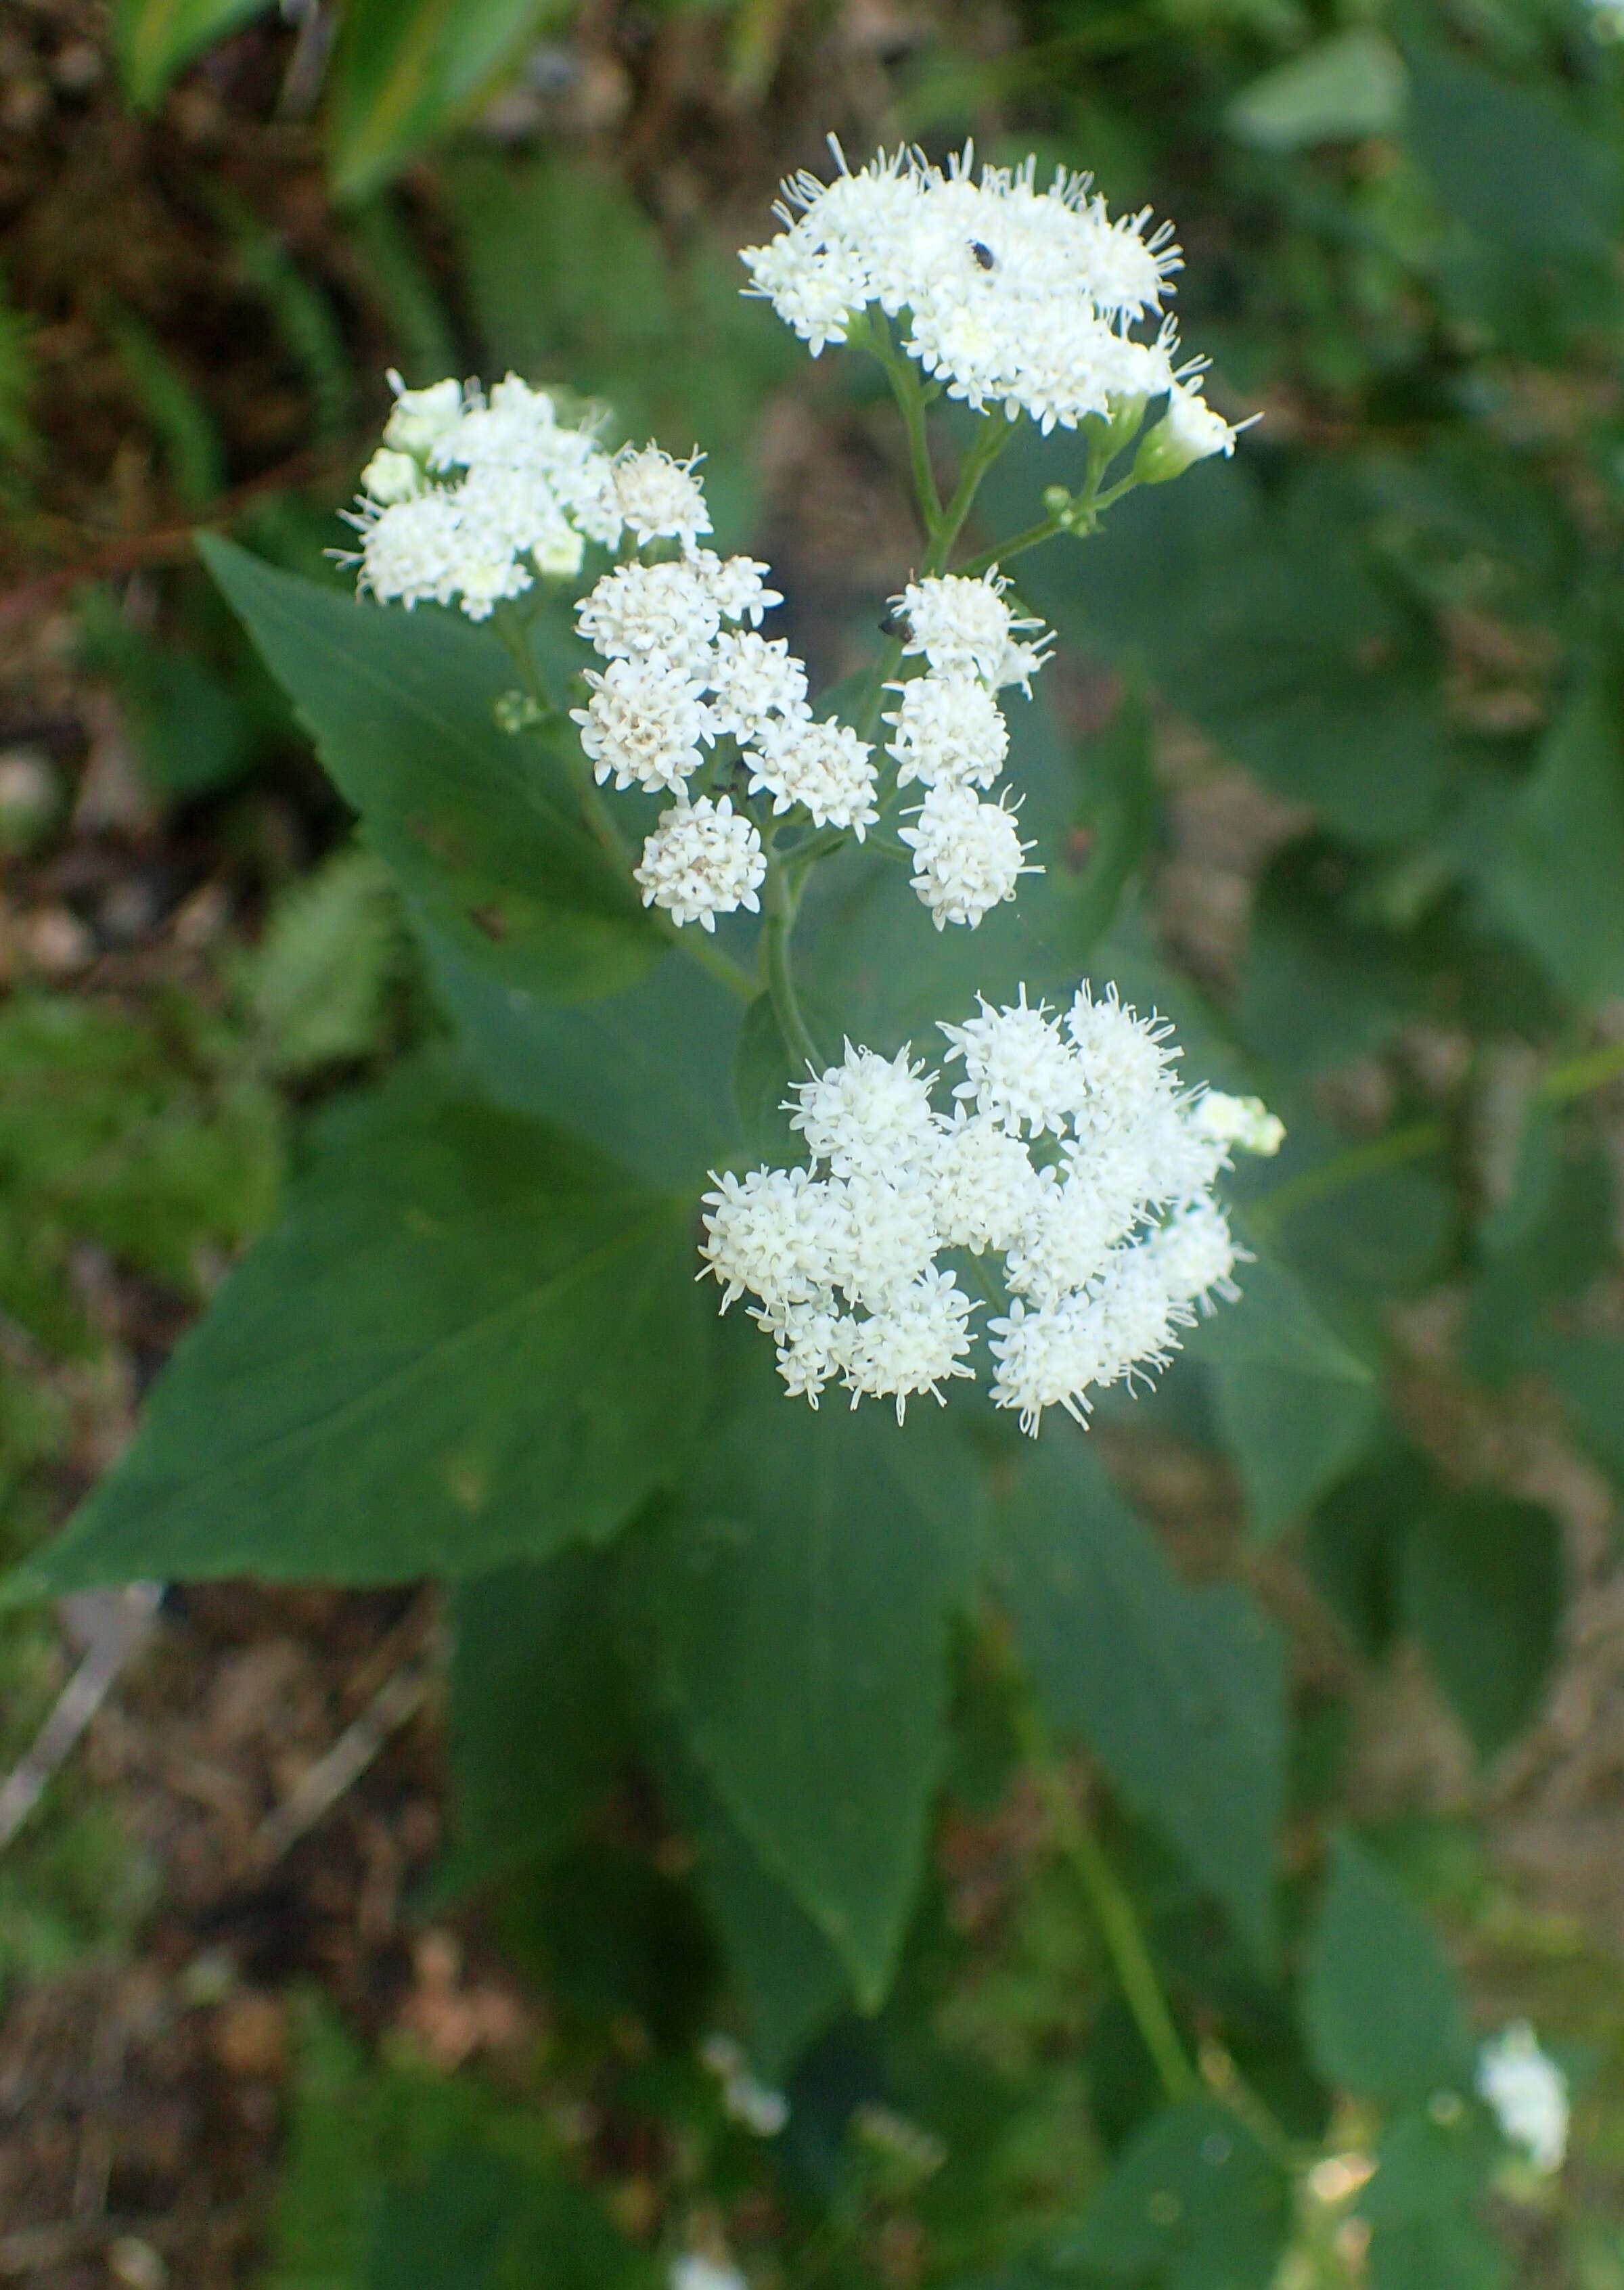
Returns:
<point x="984" y="255"/>
<point x="895" y="623"/>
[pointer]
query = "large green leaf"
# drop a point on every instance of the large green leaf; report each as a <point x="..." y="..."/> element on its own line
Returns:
<point x="479" y="826"/>
<point x="464" y="1341"/>
<point x="538" y="1725"/>
<point x="801" y="1598"/>
<point x="1343" y="88"/>
<point x="1556" y="877"/>
<point x="1180" y="1693"/>
<point x="645" y="1073"/>
<point x="1290" y="1432"/>
<point x="404" y="70"/>
<point x="1381" y="2004"/>
<point x="1422" y="2205"/>
<point x="1483" y="1581"/>
<point x="153" y="38"/>
<point x="1194" y="2204"/>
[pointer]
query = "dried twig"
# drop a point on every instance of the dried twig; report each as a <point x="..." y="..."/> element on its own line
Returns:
<point x="397" y="1699"/>
<point x="124" y="1621"/>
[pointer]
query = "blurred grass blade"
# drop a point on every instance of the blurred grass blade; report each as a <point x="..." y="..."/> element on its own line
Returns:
<point x="153" y="38"/>
<point x="185" y="428"/>
<point x="403" y="71"/>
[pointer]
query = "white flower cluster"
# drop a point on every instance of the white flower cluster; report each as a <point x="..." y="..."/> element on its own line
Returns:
<point x="745" y="2098"/>
<point x="1010" y="296"/>
<point x="468" y="500"/>
<point x="951" y="737"/>
<point x="686" y="666"/>
<point x="1068" y="1151"/>
<point x="1528" y="2094"/>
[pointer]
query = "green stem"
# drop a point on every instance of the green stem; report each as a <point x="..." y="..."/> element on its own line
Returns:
<point x="991" y="438"/>
<point x="780" y="908"/>
<point x="1119" y="1926"/>
<point x="1574" y="1077"/>
<point x="911" y="399"/>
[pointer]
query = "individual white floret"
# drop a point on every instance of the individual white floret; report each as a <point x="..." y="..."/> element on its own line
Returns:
<point x="983" y="1184"/>
<point x="868" y="1115"/>
<point x="824" y="767"/>
<point x="1195" y="1255"/>
<point x="1048" y="1356"/>
<point x="968" y="855"/>
<point x="1244" y="1123"/>
<point x="1528" y="2094"/>
<point x="645" y="611"/>
<point x="949" y="730"/>
<point x="659" y="499"/>
<point x="1124" y="1058"/>
<point x="1189" y="431"/>
<point x="885" y="1236"/>
<point x="737" y="586"/>
<point x="703" y="860"/>
<point x="410" y="553"/>
<point x="757" y="683"/>
<point x="915" y="1346"/>
<point x="1018" y="1069"/>
<point x="644" y="723"/>
<point x="390" y="476"/>
<point x="1135" y="1315"/>
<point x="961" y="624"/>
<point x="769" y="1234"/>
<point x="420" y="418"/>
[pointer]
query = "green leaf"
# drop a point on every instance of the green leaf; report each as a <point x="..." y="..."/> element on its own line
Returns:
<point x="788" y="1977"/>
<point x="464" y="1340"/>
<point x="405" y="70"/>
<point x="1588" y="1373"/>
<point x="644" y="1073"/>
<point x="318" y="978"/>
<point x="1382" y="2006"/>
<point x="538" y="1729"/>
<point x="1338" y="90"/>
<point x="1194" y="2204"/>
<point x="1422" y="2205"/>
<point x="801" y="1599"/>
<point x="479" y="826"/>
<point x="1290" y="1432"/>
<point x="155" y="38"/>
<point x="1180" y="1693"/>
<point x="1352" y="1544"/>
<point x="1556" y="880"/>
<point x="1483" y="1587"/>
<point x="1275" y="1323"/>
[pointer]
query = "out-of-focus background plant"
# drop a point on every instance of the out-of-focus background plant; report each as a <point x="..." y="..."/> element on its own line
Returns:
<point x="1349" y="732"/>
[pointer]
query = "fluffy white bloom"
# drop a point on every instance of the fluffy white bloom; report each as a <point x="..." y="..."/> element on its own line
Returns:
<point x="968" y="855"/>
<point x="1104" y="1262"/>
<point x="693" y="2272"/>
<point x="420" y="418"/>
<point x="468" y="501"/>
<point x="949" y="728"/>
<point x="967" y="625"/>
<point x="756" y="683"/>
<point x="703" y="860"/>
<point x="1018" y="1070"/>
<point x="645" y="611"/>
<point x="1528" y="2094"/>
<point x="868" y="1115"/>
<point x="916" y="1345"/>
<point x="659" y="499"/>
<point x="1126" y="1057"/>
<point x="389" y="477"/>
<point x="736" y="585"/>
<point x="824" y="767"/>
<point x="1014" y="298"/>
<point x="644" y="723"/>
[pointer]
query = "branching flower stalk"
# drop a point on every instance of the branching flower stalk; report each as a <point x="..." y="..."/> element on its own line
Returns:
<point x="1069" y="1155"/>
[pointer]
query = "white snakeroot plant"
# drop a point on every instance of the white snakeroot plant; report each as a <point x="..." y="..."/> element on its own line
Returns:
<point x="1067" y="1180"/>
<point x="1527" y="2093"/>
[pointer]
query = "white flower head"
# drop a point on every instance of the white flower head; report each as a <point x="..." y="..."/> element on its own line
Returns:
<point x="737" y="586"/>
<point x="768" y="1233"/>
<point x="390" y="476"/>
<point x="1243" y="1123"/>
<point x="867" y="1116"/>
<point x="644" y="723"/>
<point x="961" y="624"/>
<point x="410" y="552"/>
<point x="645" y="611"/>
<point x="658" y="498"/>
<point x="1528" y="2094"/>
<point x="757" y="685"/>
<point x="1124" y="1057"/>
<point x="968" y="855"/>
<point x="1018" y="1070"/>
<point x="983" y="1185"/>
<point x="694" y="2272"/>
<point x="916" y="1345"/>
<point x="703" y="860"/>
<point x="420" y="418"/>
<point x="824" y="767"/>
<point x="949" y="730"/>
<point x="1195" y="1255"/>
